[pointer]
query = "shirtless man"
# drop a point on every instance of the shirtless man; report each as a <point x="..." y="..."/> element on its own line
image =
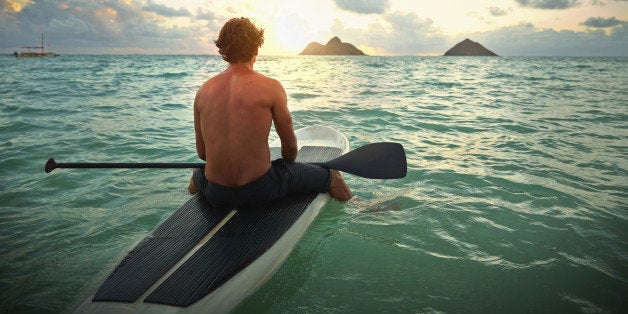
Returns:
<point x="233" y="113"/>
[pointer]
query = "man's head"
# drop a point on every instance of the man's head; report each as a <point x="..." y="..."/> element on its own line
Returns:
<point x="239" y="40"/>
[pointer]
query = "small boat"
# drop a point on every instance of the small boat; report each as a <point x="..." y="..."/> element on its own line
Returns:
<point x="41" y="54"/>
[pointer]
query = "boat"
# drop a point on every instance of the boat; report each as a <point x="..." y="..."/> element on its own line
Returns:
<point x="31" y="54"/>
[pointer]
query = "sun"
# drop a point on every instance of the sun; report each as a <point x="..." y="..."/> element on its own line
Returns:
<point x="290" y="41"/>
<point x="293" y="25"/>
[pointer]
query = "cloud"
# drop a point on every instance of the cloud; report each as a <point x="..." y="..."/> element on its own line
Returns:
<point x="14" y="5"/>
<point x="411" y="33"/>
<point x="122" y="26"/>
<point x="527" y="40"/>
<point x="164" y="10"/>
<point x="363" y="6"/>
<point x="549" y="4"/>
<point x="93" y="26"/>
<point x="398" y="33"/>
<point x="495" y="11"/>
<point x="600" y="22"/>
<point x="401" y="33"/>
<point x="202" y="14"/>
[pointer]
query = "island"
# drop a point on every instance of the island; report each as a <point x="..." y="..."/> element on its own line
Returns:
<point x="468" y="47"/>
<point x="333" y="47"/>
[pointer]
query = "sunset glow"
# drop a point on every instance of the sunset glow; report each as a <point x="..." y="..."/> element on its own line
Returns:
<point x="15" y="6"/>
<point x="378" y="27"/>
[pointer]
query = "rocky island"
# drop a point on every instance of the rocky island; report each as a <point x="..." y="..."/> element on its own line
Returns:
<point x="468" y="47"/>
<point x="333" y="47"/>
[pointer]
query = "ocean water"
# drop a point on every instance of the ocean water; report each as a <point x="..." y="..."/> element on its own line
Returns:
<point x="516" y="198"/>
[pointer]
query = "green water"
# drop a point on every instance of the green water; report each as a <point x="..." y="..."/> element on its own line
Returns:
<point x="515" y="200"/>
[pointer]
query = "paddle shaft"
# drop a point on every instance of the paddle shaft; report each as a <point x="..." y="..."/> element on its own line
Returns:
<point x="52" y="164"/>
<point x="375" y="161"/>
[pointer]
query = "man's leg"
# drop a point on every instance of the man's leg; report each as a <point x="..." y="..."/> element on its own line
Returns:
<point x="307" y="177"/>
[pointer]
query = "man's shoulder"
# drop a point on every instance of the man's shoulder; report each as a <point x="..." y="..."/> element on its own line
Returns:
<point x="267" y="81"/>
<point x="213" y="80"/>
<point x="264" y="77"/>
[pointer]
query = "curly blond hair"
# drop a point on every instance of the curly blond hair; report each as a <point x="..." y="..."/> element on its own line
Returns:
<point x="239" y="40"/>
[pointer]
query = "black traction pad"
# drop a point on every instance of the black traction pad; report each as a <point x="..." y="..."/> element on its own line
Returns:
<point x="160" y="251"/>
<point x="245" y="237"/>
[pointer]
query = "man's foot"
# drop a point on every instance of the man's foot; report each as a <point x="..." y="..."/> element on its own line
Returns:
<point x="338" y="188"/>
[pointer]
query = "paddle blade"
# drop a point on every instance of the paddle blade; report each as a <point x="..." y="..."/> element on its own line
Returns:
<point x="383" y="160"/>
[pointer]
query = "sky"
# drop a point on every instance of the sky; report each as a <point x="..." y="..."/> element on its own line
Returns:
<point x="377" y="27"/>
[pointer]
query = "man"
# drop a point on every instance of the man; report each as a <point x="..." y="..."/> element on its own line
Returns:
<point x="233" y="113"/>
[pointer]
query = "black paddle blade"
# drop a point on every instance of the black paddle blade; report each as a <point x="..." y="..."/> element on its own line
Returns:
<point x="383" y="160"/>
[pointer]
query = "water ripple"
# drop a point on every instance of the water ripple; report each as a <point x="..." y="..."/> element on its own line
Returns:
<point x="515" y="190"/>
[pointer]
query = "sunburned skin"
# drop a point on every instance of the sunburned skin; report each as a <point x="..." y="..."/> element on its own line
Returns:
<point x="233" y="112"/>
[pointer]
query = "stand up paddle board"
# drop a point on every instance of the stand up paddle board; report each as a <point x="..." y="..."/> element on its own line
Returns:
<point x="204" y="259"/>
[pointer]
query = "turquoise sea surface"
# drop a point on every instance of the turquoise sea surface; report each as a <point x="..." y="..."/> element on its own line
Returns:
<point x="516" y="198"/>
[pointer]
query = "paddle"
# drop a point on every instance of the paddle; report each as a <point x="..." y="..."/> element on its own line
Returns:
<point x="383" y="160"/>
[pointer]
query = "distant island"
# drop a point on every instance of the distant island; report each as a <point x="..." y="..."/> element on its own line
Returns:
<point x="468" y="47"/>
<point x="333" y="47"/>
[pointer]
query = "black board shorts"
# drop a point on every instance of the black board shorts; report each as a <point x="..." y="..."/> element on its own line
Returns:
<point x="281" y="179"/>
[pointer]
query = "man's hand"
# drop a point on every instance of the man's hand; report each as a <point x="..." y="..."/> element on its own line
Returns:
<point x="289" y="154"/>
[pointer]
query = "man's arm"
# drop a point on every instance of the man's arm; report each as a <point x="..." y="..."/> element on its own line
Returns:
<point x="283" y="125"/>
<point x="200" y="143"/>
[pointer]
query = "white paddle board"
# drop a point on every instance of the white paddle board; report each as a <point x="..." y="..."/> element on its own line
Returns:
<point x="204" y="259"/>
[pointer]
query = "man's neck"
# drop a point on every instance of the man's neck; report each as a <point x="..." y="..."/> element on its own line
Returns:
<point x="242" y="65"/>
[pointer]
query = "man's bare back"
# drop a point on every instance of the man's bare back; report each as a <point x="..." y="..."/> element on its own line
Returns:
<point x="233" y="113"/>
